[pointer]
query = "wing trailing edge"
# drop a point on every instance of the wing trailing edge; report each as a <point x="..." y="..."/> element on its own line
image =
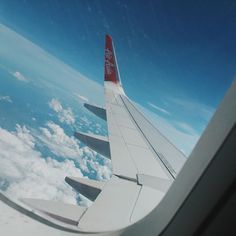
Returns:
<point x="66" y="213"/>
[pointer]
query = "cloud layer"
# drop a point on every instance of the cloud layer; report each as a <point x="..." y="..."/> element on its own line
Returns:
<point x="54" y="137"/>
<point x="162" y="110"/>
<point x="194" y="108"/>
<point x="64" y="115"/>
<point x="5" y="98"/>
<point x="28" y="173"/>
<point x="81" y="98"/>
<point x="25" y="172"/>
<point x="19" y="76"/>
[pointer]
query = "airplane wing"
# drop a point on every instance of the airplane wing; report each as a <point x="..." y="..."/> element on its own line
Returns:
<point x="137" y="147"/>
<point x="142" y="197"/>
<point x="144" y="163"/>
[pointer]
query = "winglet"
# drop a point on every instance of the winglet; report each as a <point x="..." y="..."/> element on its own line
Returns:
<point x="111" y="68"/>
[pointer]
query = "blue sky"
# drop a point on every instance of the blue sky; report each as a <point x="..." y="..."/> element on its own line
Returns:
<point x="176" y="59"/>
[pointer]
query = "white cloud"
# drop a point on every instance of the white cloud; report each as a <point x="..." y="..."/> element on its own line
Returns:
<point x="29" y="174"/>
<point x="19" y="76"/>
<point x="55" y="105"/>
<point x="85" y="121"/>
<point x="162" y="110"/>
<point x="103" y="172"/>
<point x="5" y="98"/>
<point x="54" y="137"/>
<point x="186" y="127"/>
<point x="194" y="108"/>
<point x="64" y="115"/>
<point x="81" y="98"/>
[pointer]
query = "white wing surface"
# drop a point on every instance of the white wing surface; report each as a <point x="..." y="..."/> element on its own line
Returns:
<point x="136" y="146"/>
<point x="144" y="162"/>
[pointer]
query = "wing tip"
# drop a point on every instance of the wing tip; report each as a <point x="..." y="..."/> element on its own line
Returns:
<point x="111" y="68"/>
<point x="108" y="37"/>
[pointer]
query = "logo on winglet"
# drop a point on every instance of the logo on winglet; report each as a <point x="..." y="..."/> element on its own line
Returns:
<point x="108" y="61"/>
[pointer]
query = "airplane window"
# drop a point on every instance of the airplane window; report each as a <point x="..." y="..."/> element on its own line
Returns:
<point x="176" y="61"/>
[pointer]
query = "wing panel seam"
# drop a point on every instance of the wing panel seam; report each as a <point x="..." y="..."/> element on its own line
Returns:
<point x="169" y="169"/>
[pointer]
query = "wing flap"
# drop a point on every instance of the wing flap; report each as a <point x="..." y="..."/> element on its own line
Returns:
<point x="146" y="163"/>
<point x="148" y="199"/>
<point x="122" y="162"/>
<point x="154" y="182"/>
<point x="121" y="203"/>
<point x="67" y="213"/>
<point x="113" y="207"/>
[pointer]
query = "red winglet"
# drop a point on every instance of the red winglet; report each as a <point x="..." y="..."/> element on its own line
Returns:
<point x="111" y="70"/>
